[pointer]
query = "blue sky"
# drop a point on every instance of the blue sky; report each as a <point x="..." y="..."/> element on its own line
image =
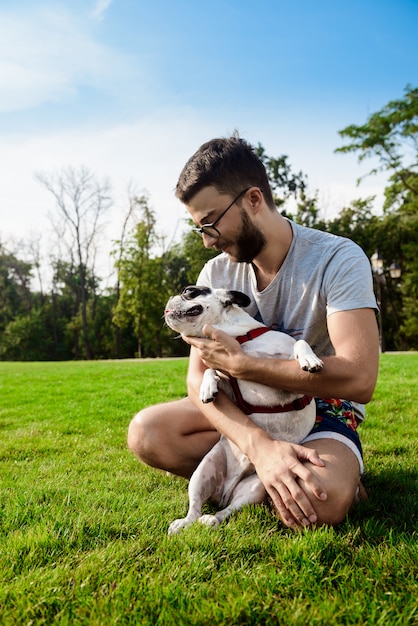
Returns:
<point x="130" y="88"/>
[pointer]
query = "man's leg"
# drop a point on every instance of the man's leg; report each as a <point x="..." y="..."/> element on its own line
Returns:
<point x="340" y="477"/>
<point x="173" y="436"/>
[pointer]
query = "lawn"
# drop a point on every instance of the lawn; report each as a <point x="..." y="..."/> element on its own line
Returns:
<point x="83" y="526"/>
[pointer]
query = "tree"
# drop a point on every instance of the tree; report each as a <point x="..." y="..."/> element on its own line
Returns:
<point x="391" y="137"/>
<point x="81" y="201"/>
<point x="144" y="288"/>
<point x="26" y="338"/>
<point x="15" y="293"/>
<point x="286" y="186"/>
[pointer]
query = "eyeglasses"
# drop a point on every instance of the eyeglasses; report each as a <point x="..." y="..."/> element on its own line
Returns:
<point x="209" y="229"/>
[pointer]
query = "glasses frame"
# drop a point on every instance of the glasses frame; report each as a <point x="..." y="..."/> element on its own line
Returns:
<point x="201" y="230"/>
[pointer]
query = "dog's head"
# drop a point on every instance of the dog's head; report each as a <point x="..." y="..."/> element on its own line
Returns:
<point x="196" y="306"/>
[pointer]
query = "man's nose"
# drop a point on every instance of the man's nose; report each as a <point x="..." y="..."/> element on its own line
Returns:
<point x="209" y="241"/>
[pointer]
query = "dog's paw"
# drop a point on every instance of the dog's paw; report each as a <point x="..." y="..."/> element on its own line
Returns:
<point x="178" y="525"/>
<point x="206" y="397"/>
<point x="209" y="520"/>
<point x="209" y="386"/>
<point x="312" y="364"/>
<point x="308" y="360"/>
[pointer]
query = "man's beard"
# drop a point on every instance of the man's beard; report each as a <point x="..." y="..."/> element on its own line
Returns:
<point x="250" y="240"/>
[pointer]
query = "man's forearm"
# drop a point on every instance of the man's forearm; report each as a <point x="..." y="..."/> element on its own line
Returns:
<point x="339" y="378"/>
<point x="350" y="374"/>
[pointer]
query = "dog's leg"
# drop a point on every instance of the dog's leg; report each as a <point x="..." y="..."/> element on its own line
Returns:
<point x="307" y="358"/>
<point x="207" y="481"/>
<point x="250" y="490"/>
<point x="209" y="386"/>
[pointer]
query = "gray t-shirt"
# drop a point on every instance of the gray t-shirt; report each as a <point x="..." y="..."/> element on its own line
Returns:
<point x="321" y="274"/>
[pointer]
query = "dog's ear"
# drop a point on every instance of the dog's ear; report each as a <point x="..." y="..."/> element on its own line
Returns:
<point x="236" y="297"/>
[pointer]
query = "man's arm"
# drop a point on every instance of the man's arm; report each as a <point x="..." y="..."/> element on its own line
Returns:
<point x="350" y="374"/>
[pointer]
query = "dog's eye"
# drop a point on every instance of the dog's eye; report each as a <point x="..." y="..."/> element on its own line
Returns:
<point x="191" y="292"/>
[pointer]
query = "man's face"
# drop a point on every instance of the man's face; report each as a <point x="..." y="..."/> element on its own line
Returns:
<point x="238" y="236"/>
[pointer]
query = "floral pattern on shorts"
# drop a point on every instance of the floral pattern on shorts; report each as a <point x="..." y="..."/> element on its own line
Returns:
<point x="341" y="410"/>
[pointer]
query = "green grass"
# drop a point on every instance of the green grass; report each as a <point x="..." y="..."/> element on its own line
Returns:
<point x="83" y="525"/>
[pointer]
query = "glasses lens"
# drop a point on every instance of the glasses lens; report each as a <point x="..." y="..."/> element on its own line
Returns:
<point x="210" y="231"/>
<point x="207" y="230"/>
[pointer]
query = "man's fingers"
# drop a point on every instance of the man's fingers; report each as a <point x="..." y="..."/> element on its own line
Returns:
<point x="311" y="455"/>
<point x="312" y="482"/>
<point x="282" y="511"/>
<point x="293" y="503"/>
<point x="209" y="331"/>
<point x="288" y="510"/>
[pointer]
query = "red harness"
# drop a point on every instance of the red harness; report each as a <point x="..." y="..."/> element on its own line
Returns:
<point x="246" y="407"/>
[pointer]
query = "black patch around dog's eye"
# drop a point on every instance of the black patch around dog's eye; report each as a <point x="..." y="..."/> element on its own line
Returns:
<point x="193" y="291"/>
<point x="194" y="311"/>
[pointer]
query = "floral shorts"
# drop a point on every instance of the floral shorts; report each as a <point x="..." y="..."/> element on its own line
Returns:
<point x="335" y="420"/>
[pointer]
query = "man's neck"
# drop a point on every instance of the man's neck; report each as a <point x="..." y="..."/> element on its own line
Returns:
<point x="270" y="260"/>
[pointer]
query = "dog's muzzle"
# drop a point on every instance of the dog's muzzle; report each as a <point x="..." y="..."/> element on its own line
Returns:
<point x="194" y="311"/>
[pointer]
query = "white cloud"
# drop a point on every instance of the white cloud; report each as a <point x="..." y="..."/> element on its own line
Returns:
<point x="150" y="154"/>
<point x="47" y="54"/>
<point x="100" y="8"/>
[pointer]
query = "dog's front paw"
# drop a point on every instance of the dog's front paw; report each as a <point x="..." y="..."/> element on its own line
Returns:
<point x="312" y="364"/>
<point x="209" y="520"/>
<point x="307" y="358"/>
<point x="178" y="525"/>
<point x="209" y="386"/>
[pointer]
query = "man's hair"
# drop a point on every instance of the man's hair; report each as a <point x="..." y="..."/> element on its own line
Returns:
<point x="228" y="164"/>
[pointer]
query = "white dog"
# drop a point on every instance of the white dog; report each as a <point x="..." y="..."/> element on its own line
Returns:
<point x="225" y="475"/>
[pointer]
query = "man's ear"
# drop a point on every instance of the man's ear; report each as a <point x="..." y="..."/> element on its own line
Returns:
<point x="237" y="297"/>
<point x="255" y="197"/>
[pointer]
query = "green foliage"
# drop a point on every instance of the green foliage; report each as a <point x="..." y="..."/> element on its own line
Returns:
<point x="146" y="282"/>
<point x="390" y="136"/>
<point x="287" y="185"/>
<point x="83" y="524"/>
<point x="26" y="339"/>
<point x="15" y="294"/>
<point x="195" y="255"/>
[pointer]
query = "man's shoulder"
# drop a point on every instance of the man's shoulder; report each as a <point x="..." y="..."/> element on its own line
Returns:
<point x="324" y="242"/>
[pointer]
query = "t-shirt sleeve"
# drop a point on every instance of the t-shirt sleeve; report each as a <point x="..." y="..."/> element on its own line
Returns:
<point x="348" y="280"/>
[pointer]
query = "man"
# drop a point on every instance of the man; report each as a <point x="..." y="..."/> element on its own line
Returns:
<point x="308" y="283"/>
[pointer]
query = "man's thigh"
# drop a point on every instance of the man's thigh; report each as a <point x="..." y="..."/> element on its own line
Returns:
<point x="173" y="436"/>
<point x="340" y="477"/>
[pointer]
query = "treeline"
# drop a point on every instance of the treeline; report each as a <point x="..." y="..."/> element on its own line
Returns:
<point x="75" y="318"/>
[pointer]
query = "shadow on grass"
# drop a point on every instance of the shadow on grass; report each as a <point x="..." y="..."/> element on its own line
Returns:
<point x="392" y="503"/>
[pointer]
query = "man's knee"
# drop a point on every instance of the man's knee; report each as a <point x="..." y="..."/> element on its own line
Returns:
<point x="340" y="477"/>
<point x="140" y="435"/>
<point x="334" y="510"/>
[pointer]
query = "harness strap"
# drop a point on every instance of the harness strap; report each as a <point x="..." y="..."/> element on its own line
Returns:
<point x="246" y="407"/>
<point x="252" y="334"/>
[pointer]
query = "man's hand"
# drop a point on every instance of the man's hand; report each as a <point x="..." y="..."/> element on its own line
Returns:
<point x="280" y="466"/>
<point x="218" y="350"/>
